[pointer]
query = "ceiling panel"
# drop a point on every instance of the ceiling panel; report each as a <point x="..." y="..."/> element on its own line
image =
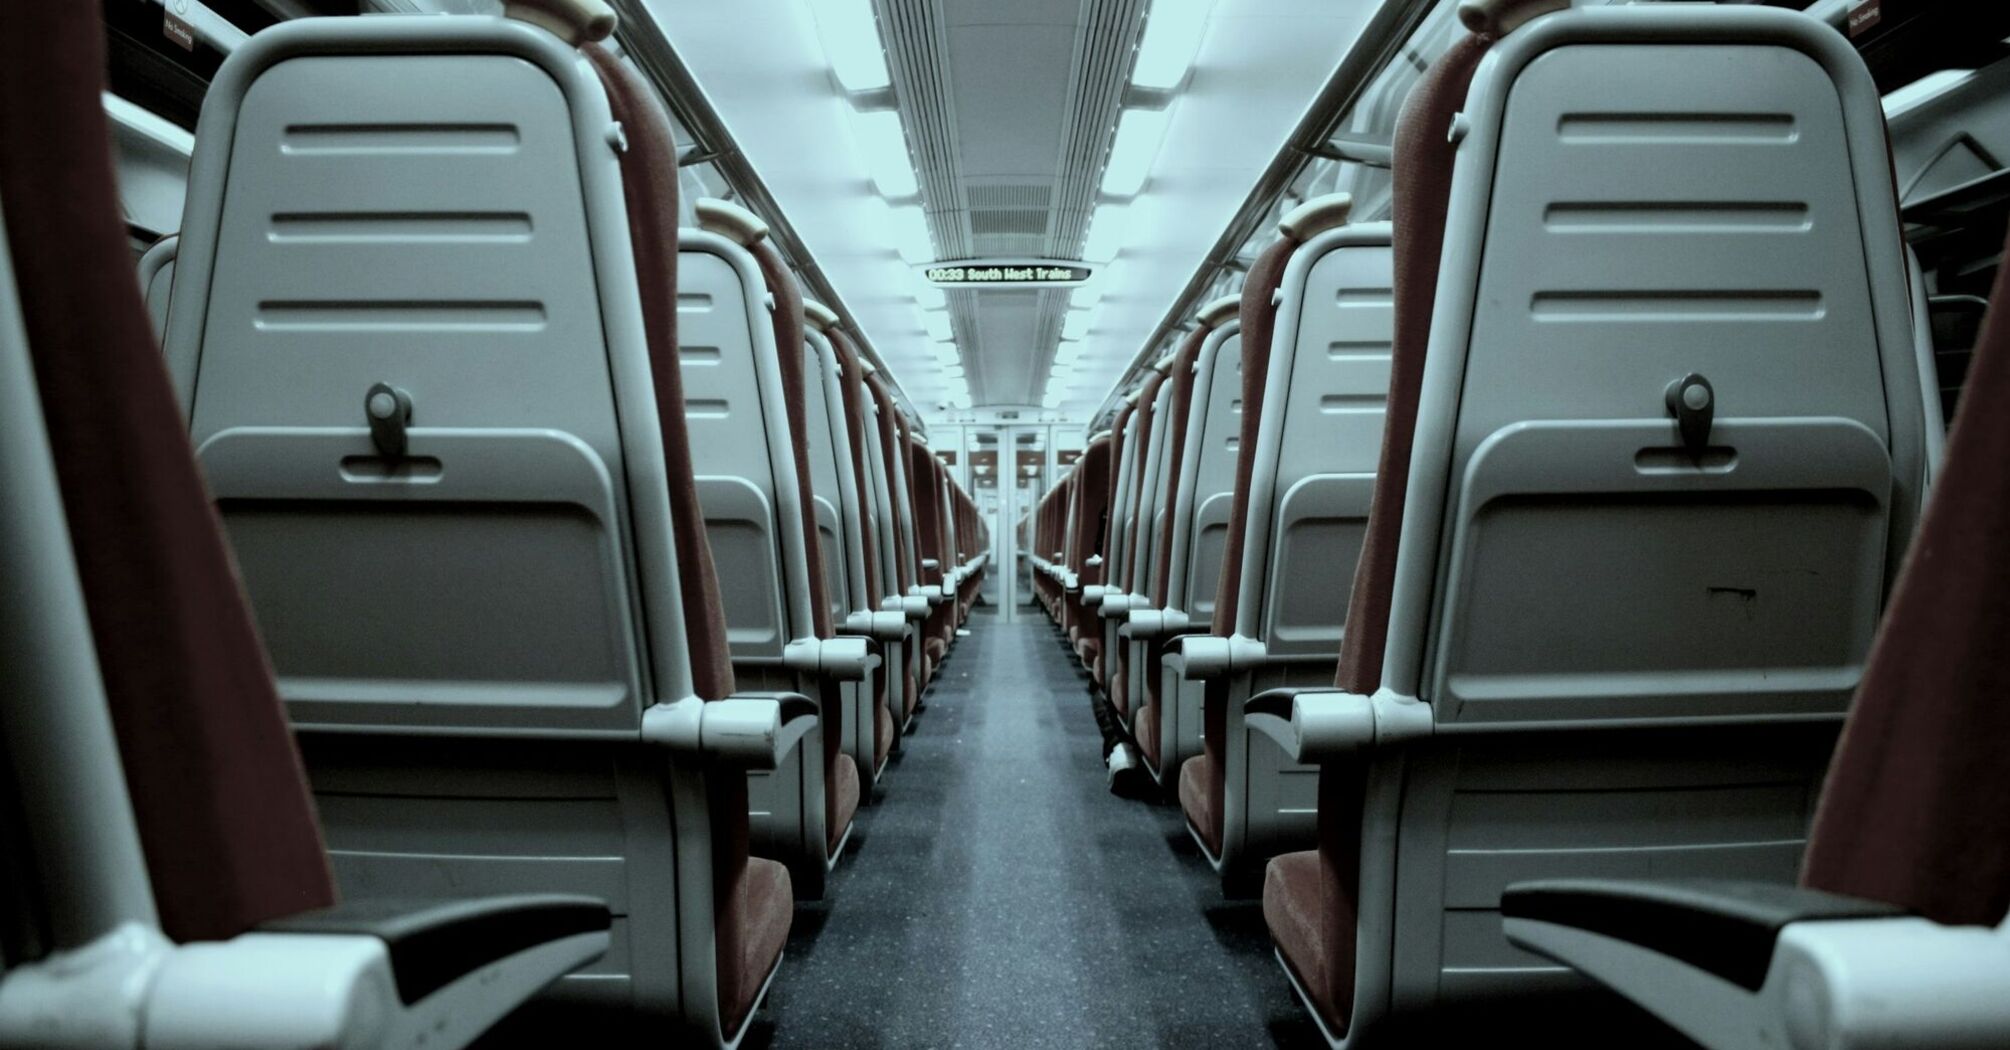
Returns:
<point x="1009" y="106"/>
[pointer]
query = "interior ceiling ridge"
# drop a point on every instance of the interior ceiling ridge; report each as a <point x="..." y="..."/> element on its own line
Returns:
<point x="919" y="67"/>
<point x="1102" y="61"/>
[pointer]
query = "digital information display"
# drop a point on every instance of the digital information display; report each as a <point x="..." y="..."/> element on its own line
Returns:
<point x="1008" y="273"/>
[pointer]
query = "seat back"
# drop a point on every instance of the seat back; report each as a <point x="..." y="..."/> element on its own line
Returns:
<point x="1126" y="435"/>
<point x="740" y="345"/>
<point x="1913" y="812"/>
<point x="1138" y="558"/>
<point x="1086" y="533"/>
<point x="296" y="297"/>
<point x="1674" y="610"/>
<point x="1318" y="440"/>
<point x="1207" y="485"/>
<point x="156" y="271"/>
<point x="1168" y="733"/>
<point x="742" y="446"/>
<point x="133" y="599"/>
<point x="422" y="224"/>
<point x="833" y="488"/>
<point x="1768" y="531"/>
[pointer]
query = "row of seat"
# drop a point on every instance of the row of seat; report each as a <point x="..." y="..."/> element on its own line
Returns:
<point x="1546" y="527"/>
<point x="587" y="560"/>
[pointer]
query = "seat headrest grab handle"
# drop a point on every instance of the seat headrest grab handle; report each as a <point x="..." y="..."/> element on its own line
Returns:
<point x="821" y="317"/>
<point x="1498" y="18"/>
<point x="1214" y="313"/>
<point x="574" y="21"/>
<point x="1316" y="216"/>
<point x="731" y="221"/>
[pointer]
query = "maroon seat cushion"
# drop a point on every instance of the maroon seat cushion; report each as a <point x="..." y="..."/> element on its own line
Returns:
<point x="891" y="461"/>
<point x="222" y="807"/>
<point x="1146" y="728"/>
<point x="1197" y="797"/>
<point x="1088" y="532"/>
<point x="1294" y="892"/>
<point x="1916" y="811"/>
<point x="1422" y="190"/>
<point x="752" y="900"/>
<point x="856" y="398"/>
<point x="763" y="901"/>
<point x="649" y="187"/>
<point x="844" y="789"/>
<point x="883" y="740"/>
<point x="1181" y="407"/>
<point x="1259" y="318"/>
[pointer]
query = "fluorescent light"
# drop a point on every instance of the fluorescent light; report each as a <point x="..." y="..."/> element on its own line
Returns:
<point x="1173" y="29"/>
<point x="1139" y="132"/>
<point x="929" y="296"/>
<point x="850" y="37"/>
<point x="936" y="324"/>
<point x="1075" y="325"/>
<point x="907" y="227"/>
<point x="1106" y="233"/>
<point x="1067" y="353"/>
<point x="1085" y="296"/>
<point x="945" y="352"/>
<point x="885" y="148"/>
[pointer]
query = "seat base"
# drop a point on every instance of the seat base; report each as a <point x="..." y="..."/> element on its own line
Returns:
<point x="1196" y="777"/>
<point x="764" y="904"/>
<point x="844" y="782"/>
<point x="1294" y="893"/>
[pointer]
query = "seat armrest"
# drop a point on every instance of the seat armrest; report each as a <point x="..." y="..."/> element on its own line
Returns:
<point x="1736" y="964"/>
<point x="1092" y="595"/>
<point x="1071" y="581"/>
<point x="931" y="565"/>
<point x="846" y="659"/>
<point x="911" y="606"/>
<point x="371" y="973"/>
<point x="433" y="943"/>
<point x="754" y="730"/>
<point x="1205" y="656"/>
<point x="884" y="626"/>
<point x="928" y="592"/>
<point x="1723" y="927"/>
<point x="1320" y="725"/>
<point x="1117" y="604"/>
<point x="1147" y="624"/>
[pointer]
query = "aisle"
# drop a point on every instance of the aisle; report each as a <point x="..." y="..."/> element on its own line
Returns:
<point x="999" y="896"/>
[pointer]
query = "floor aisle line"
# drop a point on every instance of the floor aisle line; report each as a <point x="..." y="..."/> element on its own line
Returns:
<point x="999" y="896"/>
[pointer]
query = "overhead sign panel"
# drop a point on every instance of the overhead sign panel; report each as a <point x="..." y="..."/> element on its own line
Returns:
<point x="1008" y="273"/>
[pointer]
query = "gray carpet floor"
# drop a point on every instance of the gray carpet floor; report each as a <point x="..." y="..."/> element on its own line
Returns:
<point x="997" y="895"/>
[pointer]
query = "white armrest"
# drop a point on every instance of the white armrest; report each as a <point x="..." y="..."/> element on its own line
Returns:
<point x="1204" y="656"/>
<point x="435" y="974"/>
<point x="886" y="626"/>
<point x="1319" y="725"/>
<point x="1117" y="605"/>
<point x="911" y="606"/>
<point x="753" y="730"/>
<point x="928" y="592"/>
<point x="1145" y="624"/>
<point x="1092" y="595"/>
<point x="1851" y="976"/>
<point x="847" y="659"/>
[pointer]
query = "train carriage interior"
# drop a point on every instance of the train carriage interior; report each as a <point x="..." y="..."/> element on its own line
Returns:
<point x="1004" y="523"/>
